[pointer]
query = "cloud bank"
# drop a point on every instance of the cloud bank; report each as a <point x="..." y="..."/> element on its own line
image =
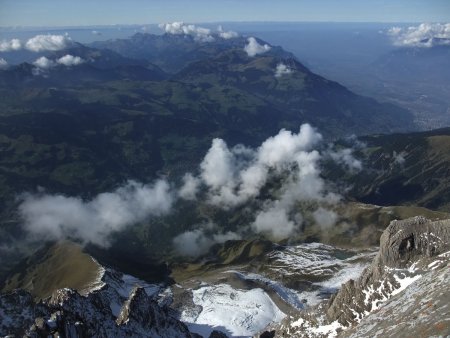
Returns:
<point x="38" y="43"/>
<point x="198" y="33"/>
<point x="271" y="182"/>
<point x="55" y="217"/>
<point x="425" y="35"/>
<point x="253" y="48"/>
<point x="230" y="177"/>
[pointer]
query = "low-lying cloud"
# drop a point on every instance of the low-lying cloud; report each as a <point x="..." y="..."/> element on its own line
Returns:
<point x="230" y="177"/>
<point x="282" y="69"/>
<point x="227" y="178"/>
<point x="253" y="48"/>
<point x="424" y="35"/>
<point x="197" y="242"/>
<point x="56" y="217"/>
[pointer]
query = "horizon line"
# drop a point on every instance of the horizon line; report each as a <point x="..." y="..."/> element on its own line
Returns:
<point x="220" y="22"/>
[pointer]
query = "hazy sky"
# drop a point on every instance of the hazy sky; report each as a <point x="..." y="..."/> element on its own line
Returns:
<point x="93" y="12"/>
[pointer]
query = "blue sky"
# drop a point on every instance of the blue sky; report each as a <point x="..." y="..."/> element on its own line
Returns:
<point x="100" y="12"/>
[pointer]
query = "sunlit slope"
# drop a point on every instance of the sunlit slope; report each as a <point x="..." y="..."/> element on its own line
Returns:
<point x="62" y="265"/>
<point x="410" y="169"/>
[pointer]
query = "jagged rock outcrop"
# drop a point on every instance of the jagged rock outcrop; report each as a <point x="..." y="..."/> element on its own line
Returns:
<point x="422" y="310"/>
<point x="17" y="310"/>
<point x="405" y="291"/>
<point x="67" y="313"/>
<point x="402" y="244"/>
<point x="142" y="316"/>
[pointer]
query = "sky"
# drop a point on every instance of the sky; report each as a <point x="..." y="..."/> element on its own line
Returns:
<point x="107" y="12"/>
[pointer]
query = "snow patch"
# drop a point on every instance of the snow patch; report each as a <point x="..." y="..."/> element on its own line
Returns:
<point x="237" y="313"/>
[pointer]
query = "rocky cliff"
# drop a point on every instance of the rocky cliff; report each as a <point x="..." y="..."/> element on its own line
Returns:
<point x="121" y="307"/>
<point x="404" y="292"/>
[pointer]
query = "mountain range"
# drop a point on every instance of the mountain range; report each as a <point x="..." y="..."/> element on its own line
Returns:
<point x="82" y="135"/>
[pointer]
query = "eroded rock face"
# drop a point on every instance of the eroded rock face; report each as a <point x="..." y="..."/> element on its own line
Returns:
<point x="402" y="245"/>
<point x="98" y="314"/>
<point x="17" y="311"/>
<point x="403" y="293"/>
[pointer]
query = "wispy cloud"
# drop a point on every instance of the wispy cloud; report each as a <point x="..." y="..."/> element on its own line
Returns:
<point x="198" y="241"/>
<point x="253" y="48"/>
<point x="423" y="35"/>
<point x="226" y="178"/>
<point x="3" y="64"/>
<point x="282" y="69"/>
<point x="226" y="34"/>
<point x="57" y="217"/>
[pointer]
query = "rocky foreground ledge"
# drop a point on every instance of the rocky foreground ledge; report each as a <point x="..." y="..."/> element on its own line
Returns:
<point x="405" y="292"/>
<point x="113" y="309"/>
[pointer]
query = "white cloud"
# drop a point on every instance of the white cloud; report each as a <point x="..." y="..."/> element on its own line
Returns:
<point x="227" y="178"/>
<point x="281" y="148"/>
<point x="232" y="176"/>
<point x="44" y="63"/>
<point x="192" y="243"/>
<point x="217" y="166"/>
<point x="423" y="35"/>
<point x="189" y="189"/>
<point x="399" y="158"/>
<point x="47" y="42"/>
<point x="346" y="158"/>
<point x="180" y="28"/>
<point x="3" y="64"/>
<point x="275" y="223"/>
<point x="70" y="60"/>
<point x="197" y="242"/>
<point x="226" y="34"/>
<point x="11" y="45"/>
<point x="324" y="218"/>
<point x="58" y="217"/>
<point x="253" y="48"/>
<point x="282" y="69"/>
